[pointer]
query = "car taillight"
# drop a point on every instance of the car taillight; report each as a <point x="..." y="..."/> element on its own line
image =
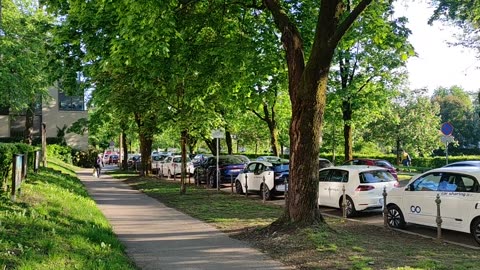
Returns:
<point x="397" y="184"/>
<point x="364" y="188"/>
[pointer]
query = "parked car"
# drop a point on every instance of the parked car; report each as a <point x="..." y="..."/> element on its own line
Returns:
<point x="229" y="167"/>
<point x="134" y="160"/>
<point x="244" y="158"/>
<point x="363" y="187"/>
<point x="459" y="192"/>
<point x="113" y="159"/>
<point x="466" y="163"/>
<point x="172" y="165"/>
<point x="157" y="162"/>
<point x="373" y="162"/>
<point x="267" y="178"/>
<point x="199" y="158"/>
<point x="324" y="163"/>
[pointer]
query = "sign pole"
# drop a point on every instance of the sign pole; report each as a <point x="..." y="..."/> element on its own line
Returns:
<point x="446" y="153"/>
<point x="447" y="130"/>
<point x="218" y="170"/>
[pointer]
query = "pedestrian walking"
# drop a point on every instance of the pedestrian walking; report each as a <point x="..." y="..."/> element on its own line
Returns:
<point x="98" y="166"/>
<point x="407" y="160"/>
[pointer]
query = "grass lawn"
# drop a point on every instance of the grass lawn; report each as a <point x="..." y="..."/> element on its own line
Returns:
<point x="338" y="244"/>
<point x="54" y="224"/>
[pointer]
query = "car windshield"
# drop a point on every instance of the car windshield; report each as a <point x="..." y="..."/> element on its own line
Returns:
<point x="376" y="177"/>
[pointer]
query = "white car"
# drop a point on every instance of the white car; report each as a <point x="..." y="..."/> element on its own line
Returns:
<point x="274" y="173"/>
<point x="172" y="165"/>
<point x="459" y="192"/>
<point x="363" y="184"/>
<point x="157" y="163"/>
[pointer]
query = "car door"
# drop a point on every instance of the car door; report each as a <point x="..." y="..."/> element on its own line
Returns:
<point x="247" y="175"/>
<point x="165" y="166"/>
<point x="323" y="184"/>
<point x="330" y="187"/>
<point x="419" y="198"/>
<point x="260" y="172"/>
<point x="458" y="201"/>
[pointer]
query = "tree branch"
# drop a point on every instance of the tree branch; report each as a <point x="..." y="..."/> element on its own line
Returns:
<point x="258" y="115"/>
<point x="343" y="27"/>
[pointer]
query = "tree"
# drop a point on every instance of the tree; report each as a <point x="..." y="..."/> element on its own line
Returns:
<point x="371" y="59"/>
<point x="411" y="123"/>
<point x="462" y="13"/>
<point x="24" y="57"/>
<point x="456" y="107"/>
<point x="308" y="82"/>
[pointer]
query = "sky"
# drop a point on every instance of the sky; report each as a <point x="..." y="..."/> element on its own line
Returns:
<point x="437" y="64"/>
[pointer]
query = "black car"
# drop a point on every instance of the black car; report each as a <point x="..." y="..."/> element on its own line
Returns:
<point x="229" y="167"/>
<point x="466" y="163"/>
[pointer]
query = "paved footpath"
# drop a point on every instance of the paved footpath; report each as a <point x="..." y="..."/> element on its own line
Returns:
<point x="159" y="237"/>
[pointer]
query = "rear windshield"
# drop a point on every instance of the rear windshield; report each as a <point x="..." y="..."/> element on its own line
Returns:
<point x="179" y="160"/>
<point x="230" y="160"/>
<point x="383" y="163"/>
<point x="280" y="167"/>
<point x="376" y="177"/>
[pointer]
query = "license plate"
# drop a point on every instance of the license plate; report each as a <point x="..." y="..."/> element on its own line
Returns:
<point x="281" y="188"/>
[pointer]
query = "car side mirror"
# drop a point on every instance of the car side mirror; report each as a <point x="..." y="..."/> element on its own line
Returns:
<point x="411" y="187"/>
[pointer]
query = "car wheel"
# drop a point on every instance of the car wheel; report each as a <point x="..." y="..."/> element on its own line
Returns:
<point x="350" y="207"/>
<point x="266" y="194"/>
<point x="395" y="217"/>
<point x="238" y="187"/>
<point x="212" y="181"/>
<point x="475" y="229"/>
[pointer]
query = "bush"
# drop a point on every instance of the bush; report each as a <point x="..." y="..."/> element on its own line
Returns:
<point x="85" y="159"/>
<point x="63" y="153"/>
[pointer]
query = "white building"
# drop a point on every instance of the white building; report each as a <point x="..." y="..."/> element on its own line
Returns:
<point x="56" y="112"/>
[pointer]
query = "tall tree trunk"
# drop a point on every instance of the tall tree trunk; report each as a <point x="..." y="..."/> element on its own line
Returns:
<point x="272" y="128"/>
<point x="307" y="89"/>
<point x="192" y="144"/>
<point x="145" y="150"/>
<point x="212" y="145"/>
<point x="269" y="118"/>
<point x="347" y="129"/>
<point x="146" y="139"/>
<point x="29" y="117"/>
<point x="228" y="141"/>
<point x="125" y="151"/>
<point x="183" y="145"/>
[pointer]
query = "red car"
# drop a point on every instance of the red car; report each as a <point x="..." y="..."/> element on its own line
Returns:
<point x="373" y="162"/>
<point x="113" y="159"/>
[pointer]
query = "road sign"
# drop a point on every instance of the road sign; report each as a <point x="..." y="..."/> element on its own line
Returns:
<point x="446" y="128"/>
<point x="447" y="139"/>
<point x="218" y="134"/>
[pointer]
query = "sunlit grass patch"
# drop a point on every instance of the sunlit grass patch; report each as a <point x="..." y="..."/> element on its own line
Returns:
<point x="54" y="224"/>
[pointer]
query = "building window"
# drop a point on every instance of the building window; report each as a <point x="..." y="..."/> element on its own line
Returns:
<point x="70" y="103"/>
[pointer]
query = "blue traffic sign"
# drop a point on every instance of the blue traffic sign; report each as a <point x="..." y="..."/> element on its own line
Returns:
<point x="446" y="128"/>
